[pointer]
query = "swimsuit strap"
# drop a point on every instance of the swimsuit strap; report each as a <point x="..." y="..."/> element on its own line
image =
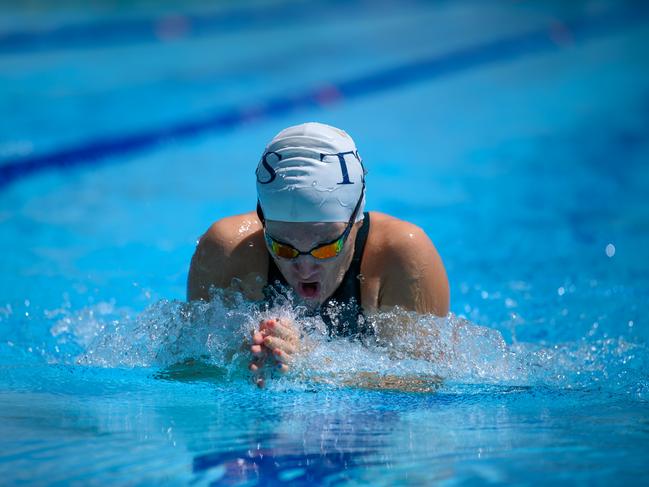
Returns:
<point x="343" y="319"/>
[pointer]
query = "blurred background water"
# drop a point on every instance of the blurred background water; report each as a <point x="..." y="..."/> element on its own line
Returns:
<point x="515" y="133"/>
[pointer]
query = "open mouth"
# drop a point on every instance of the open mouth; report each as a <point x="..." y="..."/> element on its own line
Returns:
<point x="309" y="290"/>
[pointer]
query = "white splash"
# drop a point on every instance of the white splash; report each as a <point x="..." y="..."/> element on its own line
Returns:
<point x="410" y="350"/>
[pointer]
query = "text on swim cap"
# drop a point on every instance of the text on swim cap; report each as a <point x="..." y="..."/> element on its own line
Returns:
<point x="272" y="174"/>
<point x="343" y="164"/>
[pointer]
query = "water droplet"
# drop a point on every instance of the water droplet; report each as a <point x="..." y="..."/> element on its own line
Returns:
<point x="561" y="291"/>
<point x="610" y="250"/>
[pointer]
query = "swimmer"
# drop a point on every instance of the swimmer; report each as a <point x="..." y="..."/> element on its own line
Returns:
<point x="310" y="234"/>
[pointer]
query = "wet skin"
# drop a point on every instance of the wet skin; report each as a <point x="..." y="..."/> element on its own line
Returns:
<point x="274" y="344"/>
<point x="314" y="280"/>
<point x="400" y="267"/>
<point x="276" y="341"/>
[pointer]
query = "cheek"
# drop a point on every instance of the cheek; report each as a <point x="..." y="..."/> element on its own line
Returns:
<point x="283" y="266"/>
<point x="333" y="273"/>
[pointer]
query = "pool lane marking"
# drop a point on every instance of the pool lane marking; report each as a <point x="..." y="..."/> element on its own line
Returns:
<point x="98" y="150"/>
<point x="170" y="26"/>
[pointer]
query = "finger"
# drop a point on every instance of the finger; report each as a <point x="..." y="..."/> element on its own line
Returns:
<point x="286" y="322"/>
<point x="257" y="363"/>
<point x="284" y="332"/>
<point x="284" y="346"/>
<point x="283" y="368"/>
<point x="266" y="324"/>
<point x="258" y="337"/>
<point x="282" y="357"/>
<point x="256" y="373"/>
<point x="257" y="350"/>
<point x="274" y="323"/>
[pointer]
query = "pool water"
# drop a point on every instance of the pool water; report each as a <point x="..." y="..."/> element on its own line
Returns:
<point x="516" y="134"/>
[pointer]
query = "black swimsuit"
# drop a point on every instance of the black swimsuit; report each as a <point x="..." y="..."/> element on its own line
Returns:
<point x="342" y="312"/>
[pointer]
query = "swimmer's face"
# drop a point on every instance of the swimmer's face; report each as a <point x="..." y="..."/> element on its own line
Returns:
<point x="314" y="280"/>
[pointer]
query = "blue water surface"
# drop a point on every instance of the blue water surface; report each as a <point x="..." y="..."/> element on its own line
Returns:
<point x="516" y="134"/>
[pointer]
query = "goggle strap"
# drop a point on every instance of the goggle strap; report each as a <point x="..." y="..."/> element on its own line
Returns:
<point x="260" y="214"/>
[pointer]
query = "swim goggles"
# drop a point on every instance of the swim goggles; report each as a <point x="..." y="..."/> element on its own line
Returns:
<point x="322" y="251"/>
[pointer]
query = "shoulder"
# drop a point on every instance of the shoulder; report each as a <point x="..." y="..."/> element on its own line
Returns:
<point x="397" y="239"/>
<point x="227" y="233"/>
<point x="232" y="247"/>
<point x="410" y="269"/>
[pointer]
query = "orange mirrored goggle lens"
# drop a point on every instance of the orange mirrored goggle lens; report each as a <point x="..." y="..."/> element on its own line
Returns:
<point x="284" y="251"/>
<point x="327" y="251"/>
<point x="323" y="252"/>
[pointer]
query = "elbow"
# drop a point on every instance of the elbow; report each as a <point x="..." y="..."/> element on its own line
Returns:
<point x="197" y="288"/>
<point x="442" y="298"/>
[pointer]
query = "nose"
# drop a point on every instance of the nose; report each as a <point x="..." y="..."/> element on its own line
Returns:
<point x="305" y="266"/>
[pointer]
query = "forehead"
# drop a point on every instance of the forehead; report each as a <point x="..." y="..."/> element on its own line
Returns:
<point x="309" y="232"/>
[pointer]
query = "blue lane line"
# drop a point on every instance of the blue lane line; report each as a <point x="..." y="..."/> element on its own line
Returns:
<point x="508" y="49"/>
<point x="171" y="26"/>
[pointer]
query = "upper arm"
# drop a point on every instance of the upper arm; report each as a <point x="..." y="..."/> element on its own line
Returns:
<point x="414" y="275"/>
<point x="209" y="266"/>
<point x="230" y="255"/>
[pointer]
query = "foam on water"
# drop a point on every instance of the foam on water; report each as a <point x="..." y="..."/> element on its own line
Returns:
<point x="411" y="351"/>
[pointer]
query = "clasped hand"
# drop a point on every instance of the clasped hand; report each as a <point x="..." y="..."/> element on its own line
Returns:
<point x="274" y="344"/>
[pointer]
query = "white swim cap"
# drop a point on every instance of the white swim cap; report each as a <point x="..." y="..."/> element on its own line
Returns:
<point x="311" y="173"/>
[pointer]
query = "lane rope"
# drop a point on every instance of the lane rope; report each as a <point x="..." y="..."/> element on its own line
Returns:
<point x="101" y="150"/>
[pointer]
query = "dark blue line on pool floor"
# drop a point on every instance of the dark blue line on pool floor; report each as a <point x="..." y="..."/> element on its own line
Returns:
<point x="511" y="48"/>
<point x="174" y="25"/>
